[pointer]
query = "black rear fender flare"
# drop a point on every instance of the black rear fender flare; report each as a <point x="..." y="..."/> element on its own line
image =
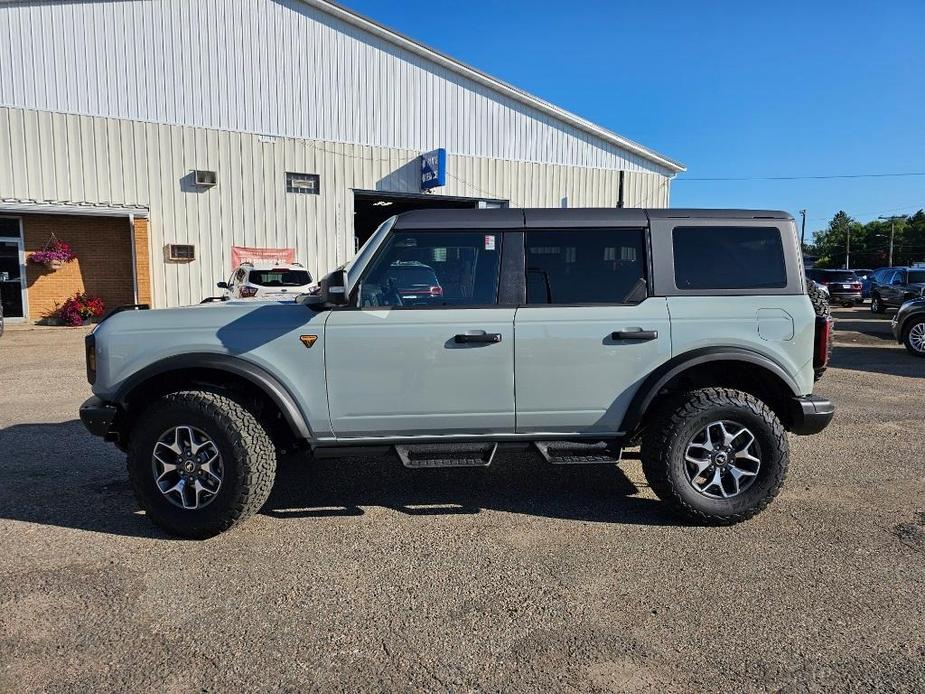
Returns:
<point x="653" y="384"/>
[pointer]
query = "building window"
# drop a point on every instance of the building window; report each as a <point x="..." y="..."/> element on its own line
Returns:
<point x="308" y="184"/>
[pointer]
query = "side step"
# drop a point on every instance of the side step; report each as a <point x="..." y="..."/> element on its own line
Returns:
<point x="579" y="453"/>
<point x="427" y="455"/>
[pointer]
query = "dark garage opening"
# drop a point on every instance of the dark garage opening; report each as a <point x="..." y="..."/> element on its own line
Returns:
<point x="371" y="208"/>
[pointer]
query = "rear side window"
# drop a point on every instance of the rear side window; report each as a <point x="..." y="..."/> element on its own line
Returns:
<point x="728" y="257"/>
<point x="586" y="266"/>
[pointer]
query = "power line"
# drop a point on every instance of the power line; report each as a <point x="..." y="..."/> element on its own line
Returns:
<point x="803" y="178"/>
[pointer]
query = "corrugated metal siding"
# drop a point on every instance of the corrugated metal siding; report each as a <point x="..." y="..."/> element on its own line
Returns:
<point x="278" y="67"/>
<point x="55" y="157"/>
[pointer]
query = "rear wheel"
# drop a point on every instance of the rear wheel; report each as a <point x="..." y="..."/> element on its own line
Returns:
<point x="200" y="462"/>
<point x="914" y="337"/>
<point x="716" y="456"/>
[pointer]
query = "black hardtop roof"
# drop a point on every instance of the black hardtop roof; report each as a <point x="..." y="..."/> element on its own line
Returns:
<point x="515" y="218"/>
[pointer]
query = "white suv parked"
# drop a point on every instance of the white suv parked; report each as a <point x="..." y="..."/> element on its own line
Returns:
<point x="268" y="280"/>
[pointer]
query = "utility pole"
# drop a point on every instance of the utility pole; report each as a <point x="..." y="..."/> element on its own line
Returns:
<point x="892" y="232"/>
<point x="803" y="234"/>
<point x="848" y="247"/>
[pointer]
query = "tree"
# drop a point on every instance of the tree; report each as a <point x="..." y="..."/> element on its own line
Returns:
<point x="870" y="243"/>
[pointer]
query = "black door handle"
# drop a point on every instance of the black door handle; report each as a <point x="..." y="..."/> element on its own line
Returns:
<point x="634" y="334"/>
<point x="478" y="336"/>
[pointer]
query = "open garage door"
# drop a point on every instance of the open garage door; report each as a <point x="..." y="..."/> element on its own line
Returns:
<point x="371" y="208"/>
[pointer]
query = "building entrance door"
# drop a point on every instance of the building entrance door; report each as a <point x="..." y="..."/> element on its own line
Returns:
<point x="12" y="270"/>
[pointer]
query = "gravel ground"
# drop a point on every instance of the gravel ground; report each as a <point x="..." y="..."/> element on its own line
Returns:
<point x="360" y="575"/>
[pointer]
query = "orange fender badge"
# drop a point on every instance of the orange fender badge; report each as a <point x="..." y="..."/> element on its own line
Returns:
<point x="308" y="340"/>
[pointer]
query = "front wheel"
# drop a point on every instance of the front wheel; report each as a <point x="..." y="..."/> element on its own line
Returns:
<point x="200" y="462"/>
<point x="717" y="456"/>
<point x="876" y="304"/>
<point x="914" y="338"/>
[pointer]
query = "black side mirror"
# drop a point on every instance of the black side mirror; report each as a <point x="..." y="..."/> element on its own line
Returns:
<point x="334" y="288"/>
<point x="222" y="285"/>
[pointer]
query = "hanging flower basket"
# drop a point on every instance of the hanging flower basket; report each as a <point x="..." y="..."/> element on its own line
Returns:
<point x="54" y="255"/>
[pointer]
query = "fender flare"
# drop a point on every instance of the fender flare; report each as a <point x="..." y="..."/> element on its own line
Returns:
<point x="675" y="366"/>
<point x="257" y="375"/>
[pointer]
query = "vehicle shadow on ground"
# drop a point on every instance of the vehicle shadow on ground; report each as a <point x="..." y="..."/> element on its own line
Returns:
<point x="893" y="361"/>
<point x="864" y="322"/>
<point x="59" y="475"/>
<point x="515" y="483"/>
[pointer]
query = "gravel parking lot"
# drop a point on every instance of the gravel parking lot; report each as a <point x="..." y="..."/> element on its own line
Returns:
<point x="522" y="577"/>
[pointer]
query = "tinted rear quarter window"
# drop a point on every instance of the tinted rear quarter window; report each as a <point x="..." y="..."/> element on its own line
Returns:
<point x="728" y="257"/>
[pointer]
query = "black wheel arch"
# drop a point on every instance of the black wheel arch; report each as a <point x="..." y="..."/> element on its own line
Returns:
<point x="734" y="367"/>
<point x="220" y="371"/>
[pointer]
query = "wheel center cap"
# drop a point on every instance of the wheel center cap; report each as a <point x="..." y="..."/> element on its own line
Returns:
<point x="189" y="466"/>
<point x="721" y="458"/>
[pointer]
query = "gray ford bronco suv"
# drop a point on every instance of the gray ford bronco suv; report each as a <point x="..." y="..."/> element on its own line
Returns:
<point x="570" y="333"/>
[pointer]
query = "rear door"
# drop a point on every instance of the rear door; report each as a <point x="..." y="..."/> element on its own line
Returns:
<point x="589" y="333"/>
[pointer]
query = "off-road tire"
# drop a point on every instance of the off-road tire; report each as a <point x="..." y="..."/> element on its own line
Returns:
<point x="248" y="455"/>
<point x="677" y="420"/>
<point x="907" y="330"/>
<point x="876" y="304"/>
<point x="822" y="308"/>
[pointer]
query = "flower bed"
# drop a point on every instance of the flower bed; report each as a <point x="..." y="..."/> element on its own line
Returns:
<point x="79" y="309"/>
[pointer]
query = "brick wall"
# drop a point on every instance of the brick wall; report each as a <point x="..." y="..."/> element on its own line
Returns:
<point x="143" y="260"/>
<point x="103" y="266"/>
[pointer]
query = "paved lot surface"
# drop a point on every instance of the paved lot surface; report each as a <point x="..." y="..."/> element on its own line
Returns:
<point x="361" y="575"/>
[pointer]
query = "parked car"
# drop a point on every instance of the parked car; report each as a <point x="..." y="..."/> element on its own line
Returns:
<point x="689" y="331"/>
<point x="909" y="326"/>
<point x="843" y="285"/>
<point x="866" y="277"/>
<point x="273" y="281"/>
<point x="893" y="286"/>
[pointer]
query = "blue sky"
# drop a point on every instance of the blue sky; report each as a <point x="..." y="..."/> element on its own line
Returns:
<point x="731" y="89"/>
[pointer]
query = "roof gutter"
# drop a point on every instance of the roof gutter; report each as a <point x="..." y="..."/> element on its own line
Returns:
<point x="471" y="73"/>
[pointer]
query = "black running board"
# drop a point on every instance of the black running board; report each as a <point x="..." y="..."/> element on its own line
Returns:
<point x="579" y="453"/>
<point x="432" y="455"/>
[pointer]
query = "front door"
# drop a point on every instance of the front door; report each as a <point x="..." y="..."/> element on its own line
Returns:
<point x="12" y="269"/>
<point x="425" y="350"/>
<point x="589" y="334"/>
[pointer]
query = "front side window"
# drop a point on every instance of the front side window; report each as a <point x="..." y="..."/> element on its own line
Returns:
<point x="728" y="257"/>
<point x="433" y="268"/>
<point x="916" y="276"/>
<point x="585" y="266"/>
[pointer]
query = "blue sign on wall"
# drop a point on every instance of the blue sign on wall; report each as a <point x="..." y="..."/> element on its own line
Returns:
<point x="433" y="169"/>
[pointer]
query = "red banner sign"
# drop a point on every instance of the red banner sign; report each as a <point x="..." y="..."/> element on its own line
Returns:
<point x="246" y="254"/>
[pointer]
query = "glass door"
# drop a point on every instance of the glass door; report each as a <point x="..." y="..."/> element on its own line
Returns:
<point x="12" y="270"/>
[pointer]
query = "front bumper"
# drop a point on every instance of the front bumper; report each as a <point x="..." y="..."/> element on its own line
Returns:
<point x="97" y="416"/>
<point x="810" y="414"/>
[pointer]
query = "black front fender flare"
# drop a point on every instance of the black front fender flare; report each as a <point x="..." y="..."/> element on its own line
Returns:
<point x="257" y="375"/>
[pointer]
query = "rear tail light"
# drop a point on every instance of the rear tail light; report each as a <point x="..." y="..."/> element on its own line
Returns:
<point x="822" y="341"/>
<point x="436" y="291"/>
<point x="856" y="285"/>
<point x="248" y="291"/>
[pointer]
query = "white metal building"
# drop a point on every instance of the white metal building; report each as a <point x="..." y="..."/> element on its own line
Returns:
<point x="306" y="121"/>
